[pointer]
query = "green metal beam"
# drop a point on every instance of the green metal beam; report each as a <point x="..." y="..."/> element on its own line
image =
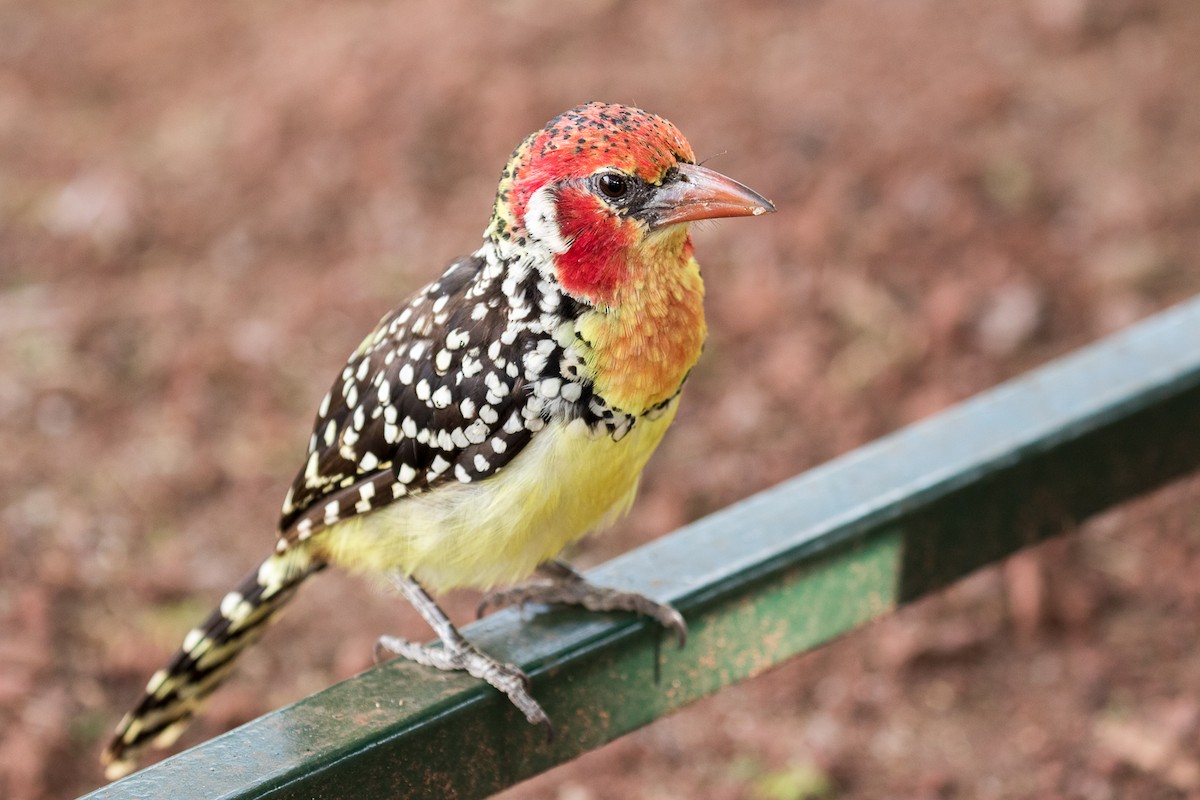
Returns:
<point x="759" y="582"/>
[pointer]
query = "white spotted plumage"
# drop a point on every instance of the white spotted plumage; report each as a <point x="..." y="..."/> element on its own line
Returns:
<point x="457" y="387"/>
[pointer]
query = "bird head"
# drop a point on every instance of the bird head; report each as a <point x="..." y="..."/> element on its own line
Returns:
<point x="606" y="189"/>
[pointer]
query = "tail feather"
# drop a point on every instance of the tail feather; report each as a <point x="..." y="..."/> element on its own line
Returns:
<point x="176" y="692"/>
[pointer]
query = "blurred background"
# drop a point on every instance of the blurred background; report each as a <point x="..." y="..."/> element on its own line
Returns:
<point x="205" y="205"/>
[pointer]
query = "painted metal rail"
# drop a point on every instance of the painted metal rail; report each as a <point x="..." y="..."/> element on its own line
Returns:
<point x="759" y="582"/>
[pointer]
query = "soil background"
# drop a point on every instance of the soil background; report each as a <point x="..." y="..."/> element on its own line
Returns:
<point x="205" y="205"/>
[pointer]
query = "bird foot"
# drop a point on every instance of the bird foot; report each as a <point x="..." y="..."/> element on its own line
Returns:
<point x="466" y="658"/>
<point x="562" y="585"/>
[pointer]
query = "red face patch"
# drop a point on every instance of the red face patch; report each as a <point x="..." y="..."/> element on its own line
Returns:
<point x="578" y="142"/>
<point x="598" y="257"/>
<point x="572" y="147"/>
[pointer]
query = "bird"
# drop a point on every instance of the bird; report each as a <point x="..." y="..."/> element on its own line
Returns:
<point x="503" y="412"/>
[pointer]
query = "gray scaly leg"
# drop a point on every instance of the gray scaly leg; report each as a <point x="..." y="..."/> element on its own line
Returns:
<point x="456" y="653"/>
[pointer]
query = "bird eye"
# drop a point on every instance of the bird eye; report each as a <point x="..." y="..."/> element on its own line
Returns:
<point x="613" y="185"/>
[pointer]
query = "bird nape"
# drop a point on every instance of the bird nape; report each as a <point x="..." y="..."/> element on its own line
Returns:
<point x="500" y="414"/>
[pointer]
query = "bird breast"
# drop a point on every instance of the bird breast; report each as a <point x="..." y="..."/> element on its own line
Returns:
<point x="640" y="349"/>
<point x="569" y="481"/>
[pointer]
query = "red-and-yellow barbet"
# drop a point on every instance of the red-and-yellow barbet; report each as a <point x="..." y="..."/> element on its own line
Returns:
<point x="500" y="414"/>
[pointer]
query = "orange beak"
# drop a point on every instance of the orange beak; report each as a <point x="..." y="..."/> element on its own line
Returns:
<point x="694" y="193"/>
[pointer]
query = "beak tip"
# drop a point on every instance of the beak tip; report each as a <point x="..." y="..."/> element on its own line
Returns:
<point x="764" y="206"/>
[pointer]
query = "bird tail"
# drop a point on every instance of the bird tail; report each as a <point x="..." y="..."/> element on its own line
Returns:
<point x="176" y="692"/>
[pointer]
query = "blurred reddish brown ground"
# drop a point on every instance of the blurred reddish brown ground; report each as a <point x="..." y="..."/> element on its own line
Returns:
<point x="203" y="206"/>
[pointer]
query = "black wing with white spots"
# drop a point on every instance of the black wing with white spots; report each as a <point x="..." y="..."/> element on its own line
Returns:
<point x="436" y="393"/>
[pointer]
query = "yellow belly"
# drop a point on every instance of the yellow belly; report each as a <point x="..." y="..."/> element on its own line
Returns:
<point x="566" y="483"/>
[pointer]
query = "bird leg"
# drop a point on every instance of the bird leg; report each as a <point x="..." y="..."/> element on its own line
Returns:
<point x="558" y="584"/>
<point x="456" y="653"/>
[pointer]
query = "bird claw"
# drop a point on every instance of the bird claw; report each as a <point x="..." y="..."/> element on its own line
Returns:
<point x="570" y="588"/>
<point x="507" y="678"/>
